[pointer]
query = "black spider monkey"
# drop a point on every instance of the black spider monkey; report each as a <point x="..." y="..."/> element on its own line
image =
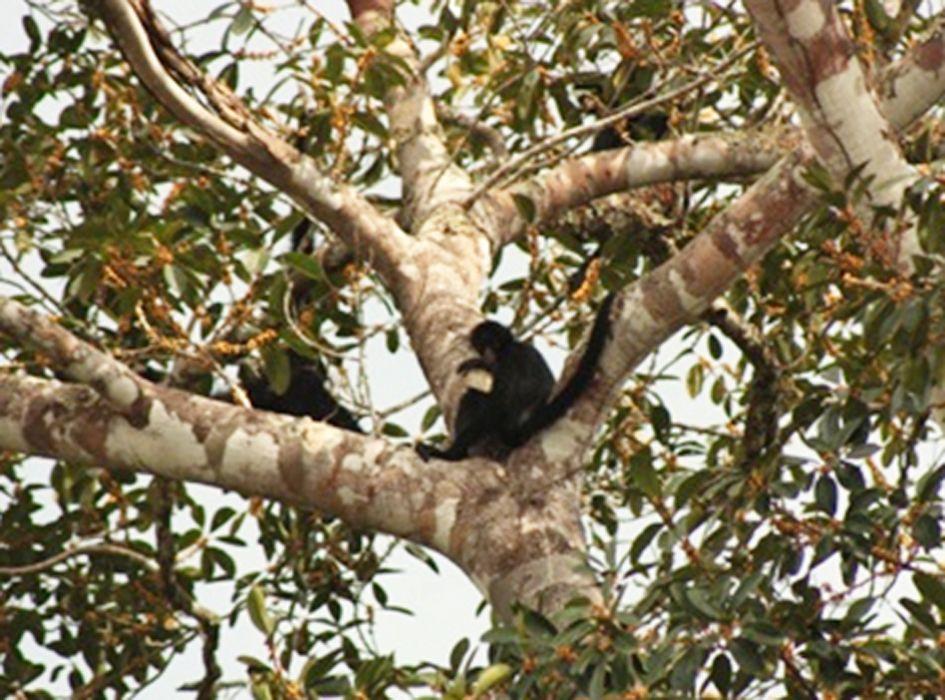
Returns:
<point x="305" y="395"/>
<point x="517" y="404"/>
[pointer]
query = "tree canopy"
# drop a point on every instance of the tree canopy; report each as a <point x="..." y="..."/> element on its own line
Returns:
<point x="262" y="204"/>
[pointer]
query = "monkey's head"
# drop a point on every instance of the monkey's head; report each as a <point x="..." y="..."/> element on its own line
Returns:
<point x="489" y="338"/>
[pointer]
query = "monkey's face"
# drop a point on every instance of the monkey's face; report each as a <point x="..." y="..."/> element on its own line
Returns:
<point x="489" y="338"/>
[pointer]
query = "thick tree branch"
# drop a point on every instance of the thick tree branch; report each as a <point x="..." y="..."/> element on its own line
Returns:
<point x="76" y="359"/>
<point x="908" y="89"/>
<point x="370" y="234"/>
<point x="682" y="288"/>
<point x="841" y="118"/>
<point x="365" y="481"/>
<point x="577" y="181"/>
<point x="430" y="178"/>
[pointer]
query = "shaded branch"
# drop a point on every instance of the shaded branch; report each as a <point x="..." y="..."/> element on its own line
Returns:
<point x="761" y="422"/>
<point x="491" y="137"/>
<point x="175" y="593"/>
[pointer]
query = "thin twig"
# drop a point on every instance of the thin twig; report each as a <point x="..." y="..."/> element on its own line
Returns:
<point x="78" y="550"/>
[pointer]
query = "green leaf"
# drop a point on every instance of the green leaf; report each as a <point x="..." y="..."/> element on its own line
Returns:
<point x="460" y="649"/>
<point x="306" y="265"/>
<point x="746" y="654"/>
<point x="221" y="517"/>
<point x="715" y="347"/>
<point x="643" y="540"/>
<point x="242" y="21"/>
<point x="825" y="494"/>
<point x="392" y="340"/>
<point x="490" y="678"/>
<point x="763" y="633"/>
<point x="927" y="531"/>
<point x="858" y="610"/>
<point x="694" y="379"/>
<point x="277" y="368"/>
<point x="644" y="476"/>
<point x="260" y="690"/>
<point x="928" y="485"/>
<point x="699" y="599"/>
<point x="721" y="673"/>
<point x="526" y="207"/>
<point x="931" y="587"/>
<point x="32" y="31"/>
<point x="683" y="675"/>
<point x="256" y="604"/>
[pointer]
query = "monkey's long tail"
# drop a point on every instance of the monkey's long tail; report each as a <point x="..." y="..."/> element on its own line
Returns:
<point x="578" y="382"/>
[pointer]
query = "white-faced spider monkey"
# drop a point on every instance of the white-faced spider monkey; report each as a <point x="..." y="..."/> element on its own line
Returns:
<point x="517" y="404"/>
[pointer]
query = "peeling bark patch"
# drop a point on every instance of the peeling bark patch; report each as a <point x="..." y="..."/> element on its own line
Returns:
<point x="445" y="517"/>
<point x="244" y="449"/>
<point x="692" y="294"/>
<point x="805" y="19"/>
<point x="324" y="442"/>
<point x="123" y="391"/>
<point x="139" y="413"/>
<point x="13" y="438"/>
<point x="166" y="440"/>
<point x="527" y="582"/>
<point x="562" y="439"/>
<point x="930" y="56"/>
<point x="727" y="246"/>
<point x="92" y="433"/>
<point x="38" y="423"/>
<point x="659" y="298"/>
<point x="291" y="465"/>
<point x="829" y="55"/>
<point x="350" y="499"/>
<point x="215" y="441"/>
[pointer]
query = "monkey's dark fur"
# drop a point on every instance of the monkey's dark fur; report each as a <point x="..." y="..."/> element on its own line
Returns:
<point x="518" y="405"/>
<point x="305" y="395"/>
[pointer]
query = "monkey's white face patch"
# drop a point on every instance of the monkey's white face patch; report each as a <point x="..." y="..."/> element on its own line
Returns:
<point x="478" y="379"/>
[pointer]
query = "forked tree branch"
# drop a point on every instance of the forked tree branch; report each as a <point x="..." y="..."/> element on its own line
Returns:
<point x="682" y="288"/>
<point x="122" y="421"/>
<point x="907" y="89"/>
